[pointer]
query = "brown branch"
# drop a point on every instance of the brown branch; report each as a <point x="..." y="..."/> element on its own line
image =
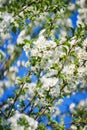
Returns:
<point x="40" y="114"/>
<point x="15" y="99"/>
<point x="3" y="114"/>
<point x="28" y="104"/>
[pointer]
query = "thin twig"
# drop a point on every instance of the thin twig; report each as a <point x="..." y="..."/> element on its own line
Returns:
<point x="3" y="114"/>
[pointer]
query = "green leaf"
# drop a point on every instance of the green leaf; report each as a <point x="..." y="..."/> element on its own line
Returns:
<point x="39" y="85"/>
<point x="14" y="29"/>
<point x="62" y="76"/>
<point x="2" y="56"/>
<point x="73" y="53"/>
<point x="67" y="44"/>
<point x="56" y="67"/>
<point x="41" y="127"/>
<point x="65" y="49"/>
<point x="28" y="41"/>
<point x="22" y="121"/>
<point x="2" y="9"/>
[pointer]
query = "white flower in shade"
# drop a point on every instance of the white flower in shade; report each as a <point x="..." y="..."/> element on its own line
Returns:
<point x="82" y="17"/>
<point x="60" y="101"/>
<point x="73" y="41"/>
<point x="62" y="40"/>
<point x="11" y="48"/>
<point x="81" y="104"/>
<point x="55" y="90"/>
<point x="1" y="91"/>
<point x="8" y="83"/>
<point x="18" y="63"/>
<point x="23" y="35"/>
<point x="13" y="69"/>
<point x="82" y="54"/>
<point x="73" y="127"/>
<point x="85" y="42"/>
<point x="71" y="6"/>
<point x="11" y="74"/>
<point x="26" y="48"/>
<point x="42" y="32"/>
<point x="56" y="112"/>
<point x="81" y="3"/>
<point x="85" y="127"/>
<point x="72" y="107"/>
<point x="5" y="36"/>
<point x="8" y="18"/>
<point x="2" y="1"/>
<point x="4" y="24"/>
<point x="17" y="80"/>
<point x="63" y="33"/>
<point x="82" y="71"/>
<point x="18" y="127"/>
<point x="27" y="64"/>
<point x="1" y="83"/>
<point x="69" y="22"/>
<point x="34" y="52"/>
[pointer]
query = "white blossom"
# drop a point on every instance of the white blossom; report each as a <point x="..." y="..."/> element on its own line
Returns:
<point x="60" y="101"/>
<point x="73" y="127"/>
<point x="15" y="118"/>
<point x="48" y="82"/>
<point x="82" y="104"/>
<point x="11" y="49"/>
<point x="85" y="127"/>
<point x="72" y="107"/>
<point x="82" y="17"/>
<point x="69" y="69"/>
<point x="30" y="88"/>
<point x="71" y="6"/>
<point x="23" y="35"/>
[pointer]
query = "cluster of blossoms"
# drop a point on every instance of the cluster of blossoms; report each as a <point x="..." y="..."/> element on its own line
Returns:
<point x="2" y="2"/>
<point x="16" y="122"/>
<point x="6" y="19"/>
<point x="23" y="35"/>
<point x="82" y="17"/>
<point x="80" y="107"/>
<point x="50" y="55"/>
<point x="11" y="77"/>
<point x="45" y="57"/>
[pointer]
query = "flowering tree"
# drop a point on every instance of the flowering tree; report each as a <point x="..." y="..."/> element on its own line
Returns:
<point x="57" y="56"/>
